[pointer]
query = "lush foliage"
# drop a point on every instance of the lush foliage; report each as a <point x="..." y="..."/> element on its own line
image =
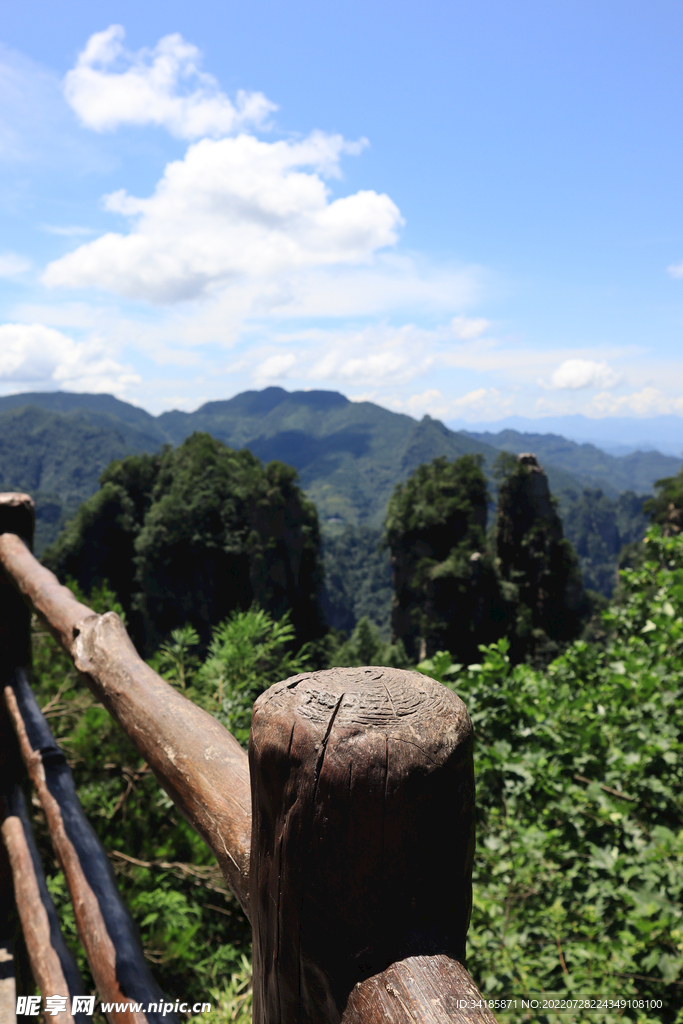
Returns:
<point x="578" y="884"/>
<point x="666" y="508"/>
<point x="193" y="533"/>
<point x="58" y="457"/>
<point x="357" y="578"/>
<point x="538" y="567"/>
<point x="456" y="587"/>
<point x="598" y="529"/>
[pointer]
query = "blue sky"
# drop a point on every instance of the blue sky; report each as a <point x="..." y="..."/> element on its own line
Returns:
<point x="470" y="210"/>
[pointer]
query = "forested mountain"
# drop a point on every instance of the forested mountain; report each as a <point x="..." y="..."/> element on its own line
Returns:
<point x="57" y="457"/>
<point x="193" y="534"/>
<point x="349" y="456"/>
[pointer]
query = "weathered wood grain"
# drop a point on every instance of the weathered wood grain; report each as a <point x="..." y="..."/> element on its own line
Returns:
<point x="106" y="929"/>
<point x="18" y="817"/>
<point x="363" y="836"/>
<point x="200" y="765"/>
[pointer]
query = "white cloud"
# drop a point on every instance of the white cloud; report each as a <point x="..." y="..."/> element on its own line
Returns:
<point x="675" y="270"/>
<point x="647" y="402"/>
<point x="230" y="208"/>
<point x="274" y="368"/>
<point x="111" y="86"/>
<point x="67" y="230"/>
<point x="467" y="328"/>
<point x="373" y="355"/>
<point x="481" y="403"/>
<point x="11" y="264"/>
<point x="583" y="373"/>
<point x="34" y="354"/>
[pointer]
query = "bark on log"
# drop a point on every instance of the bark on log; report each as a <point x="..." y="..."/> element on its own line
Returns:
<point x="200" y="765"/>
<point x="427" y="989"/>
<point x="362" y="843"/>
<point x="53" y="966"/>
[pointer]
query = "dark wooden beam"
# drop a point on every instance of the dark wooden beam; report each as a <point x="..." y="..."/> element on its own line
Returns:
<point x="105" y="927"/>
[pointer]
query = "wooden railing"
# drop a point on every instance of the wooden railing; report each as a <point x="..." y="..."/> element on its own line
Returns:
<point x="347" y="835"/>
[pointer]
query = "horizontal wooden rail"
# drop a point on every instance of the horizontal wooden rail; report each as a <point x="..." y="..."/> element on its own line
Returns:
<point x="200" y="765"/>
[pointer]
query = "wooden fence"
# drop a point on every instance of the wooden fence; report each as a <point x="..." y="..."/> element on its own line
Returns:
<point x="346" y="834"/>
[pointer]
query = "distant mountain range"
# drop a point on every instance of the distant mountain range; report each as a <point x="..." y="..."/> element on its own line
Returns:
<point x="350" y="455"/>
<point x="618" y="435"/>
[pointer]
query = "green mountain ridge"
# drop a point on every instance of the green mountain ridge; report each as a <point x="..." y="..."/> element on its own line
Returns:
<point x="349" y="455"/>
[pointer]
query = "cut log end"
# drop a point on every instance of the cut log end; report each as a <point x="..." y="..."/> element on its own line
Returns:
<point x="363" y="801"/>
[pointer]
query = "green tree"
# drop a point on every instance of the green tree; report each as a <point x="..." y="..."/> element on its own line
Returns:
<point x="357" y="578"/>
<point x="445" y="588"/>
<point x="666" y="508"/>
<point x="193" y="533"/>
<point x="598" y="528"/>
<point x="538" y="566"/>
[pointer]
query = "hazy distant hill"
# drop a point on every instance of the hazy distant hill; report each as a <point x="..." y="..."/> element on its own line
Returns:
<point x="349" y="455"/>
<point x="592" y="466"/>
<point x="617" y="435"/>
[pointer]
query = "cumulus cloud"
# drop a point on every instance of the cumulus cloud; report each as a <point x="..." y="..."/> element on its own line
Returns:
<point x="38" y="355"/>
<point x="230" y="208"/>
<point x="481" y="403"/>
<point x="573" y="374"/>
<point x="467" y="328"/>
<point x="376" y="354"/>
<point x="164" y="86"/>
<point x="274" y="368"/>
<point x="649" y="401"/>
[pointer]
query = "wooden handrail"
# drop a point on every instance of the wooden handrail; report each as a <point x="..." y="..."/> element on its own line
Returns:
<point x="304" y="870"/>
<point x="200" y="765"/>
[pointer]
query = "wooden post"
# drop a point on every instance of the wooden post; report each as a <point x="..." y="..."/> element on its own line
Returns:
<point x="362" y="845"/>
